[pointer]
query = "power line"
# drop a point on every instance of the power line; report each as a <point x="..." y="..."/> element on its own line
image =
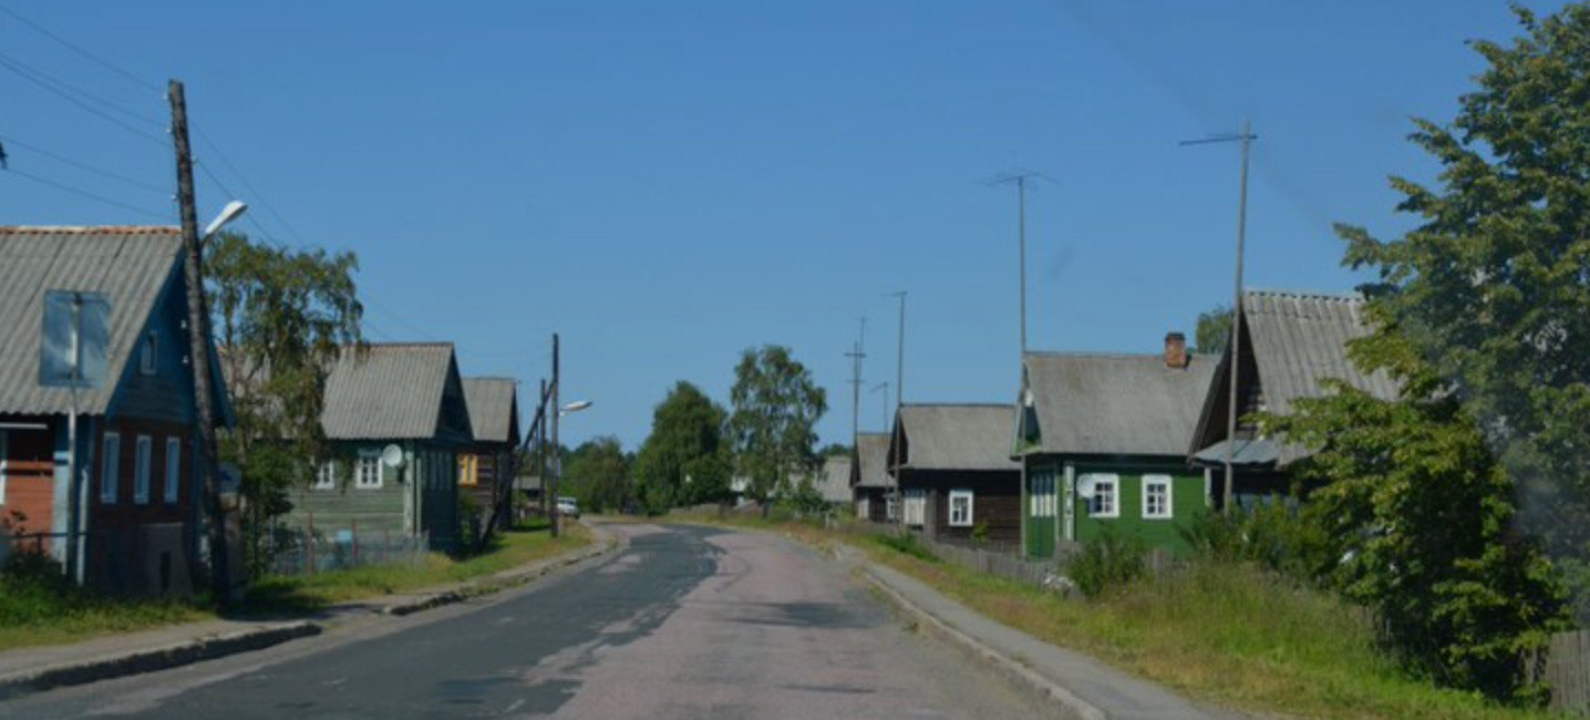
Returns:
<point x="61" y="89"/>
<point x="254" y="193"/>
<point x="81" y="51"/>
<point x="85" y="166"/>
<point x="84" y="193"/>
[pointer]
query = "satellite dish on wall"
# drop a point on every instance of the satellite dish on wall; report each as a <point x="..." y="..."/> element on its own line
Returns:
<point x="1086" y="486"/>
<point x="392" y="455"/>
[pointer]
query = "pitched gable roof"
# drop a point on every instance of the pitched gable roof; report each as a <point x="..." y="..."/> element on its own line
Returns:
<point x="1102" y="404"/>
<point x="832" y="479"/>
<point x="872" y="456"/>
<point x="493" y="409"/>
<point x="1300" y="339"/>
<point x="957" y="436"/>
<point x="390" y="391"/>
<point x="130" y="265"/>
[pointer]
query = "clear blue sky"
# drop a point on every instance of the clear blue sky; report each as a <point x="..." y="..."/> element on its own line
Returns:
<point x="670" y="183"/>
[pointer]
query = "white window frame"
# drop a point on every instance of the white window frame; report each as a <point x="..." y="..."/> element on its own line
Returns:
<point x="864" y="509"/>
<point x="1042" y="499"/>
<point x="1170" y="488"/>
<point x="891" y="507"/>
<point x="369" y="457"/>
<point x="915" y="507"/>
<point x="325" y="476"/>
<point x="148" y="351"/>
<point x="4" y="454"/>
<point x="173" y="487"/>
<point x="143" y="468"/>
<point x="1114" y="495"/>
<point x="109" y="468"/>
<point x="971" y="512"/>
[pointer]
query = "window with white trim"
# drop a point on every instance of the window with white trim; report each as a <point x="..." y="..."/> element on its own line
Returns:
<point x="367" y="470"/>
<point x="3" y="456"/>
<point x="1106" y="500"/>
<point x="960" y="508"/>
<point x="110" y="467"/>
<point x="146" y="354"/>
<point x="326" y="476"/>
<point x="1041" y="496"/>
<point x="863" y="509"/>
<point x="916" y="507"/>
<point x="143" y="456"/>
<point x="1157" y="497"/>
<point x="173" y="487"/>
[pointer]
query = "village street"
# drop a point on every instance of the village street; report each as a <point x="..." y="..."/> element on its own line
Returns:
<point x="684" y="623"/>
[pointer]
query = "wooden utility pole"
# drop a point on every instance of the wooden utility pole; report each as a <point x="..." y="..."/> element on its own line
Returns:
<point x="199" y="351"/>
<point x="541" y="450"/>
<point x="557" y="459"/>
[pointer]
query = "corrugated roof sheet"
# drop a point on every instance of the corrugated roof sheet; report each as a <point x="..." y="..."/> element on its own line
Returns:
<point x="1300" y="339"/>
<point x="958" y="436"/>
<point x="393" y="391"/>
<point x="129" y="264"/>
<point x="835" y="485"/>
<point x="872" y="452"/>
<point x="491" y="408"/>
<point x="1099" y="404"/>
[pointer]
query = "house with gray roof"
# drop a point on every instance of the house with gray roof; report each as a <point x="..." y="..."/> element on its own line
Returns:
<point x="1104" y="438"/>
<point x="957" y="478"/>
<point x="485" y="467"/>
<point x="407" y="397"/>
<point x="1291" y="343"/>
<point x="127" y="521"/>
<point x="831" y="480"/>
<point x="872" y="487"/>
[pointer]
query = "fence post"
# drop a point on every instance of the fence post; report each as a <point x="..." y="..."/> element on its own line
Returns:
<point x="355" y="531"/>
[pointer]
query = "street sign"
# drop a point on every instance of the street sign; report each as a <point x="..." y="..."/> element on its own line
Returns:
<point x="76" y="336"/>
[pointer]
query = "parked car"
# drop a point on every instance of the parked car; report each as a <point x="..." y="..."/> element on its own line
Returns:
<point x="569" y="507"/>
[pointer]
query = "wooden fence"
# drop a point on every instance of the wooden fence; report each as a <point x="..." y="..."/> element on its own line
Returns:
<point x="298" y="552"/>
<point x="1565" y="667"/>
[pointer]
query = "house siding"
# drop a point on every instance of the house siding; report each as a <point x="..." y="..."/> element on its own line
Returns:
<point x="996" y="502"/>
<point x="28" y="504"/>
<point x="1188" y="504"/>
<point x="391" y="508"/>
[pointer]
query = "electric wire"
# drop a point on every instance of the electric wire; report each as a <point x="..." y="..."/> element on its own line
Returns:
<point x="10" y="141"/>
<point x="85" y="193"/>
<point x="108" y="65"/>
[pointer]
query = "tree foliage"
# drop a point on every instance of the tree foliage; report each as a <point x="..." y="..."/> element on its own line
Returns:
<point x="1493" y="287"/>
<point x="1214" y="331"/>
<point x="282" y="318"/>
<point x="772" y="430"/>
<point x="598" y="474"/>
<point x="685" y="442"/>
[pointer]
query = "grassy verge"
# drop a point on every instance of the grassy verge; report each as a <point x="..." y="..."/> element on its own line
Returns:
<point x="287" y="595"/>
<point x="33" y="614"/>
<point x="1228" y="634"/>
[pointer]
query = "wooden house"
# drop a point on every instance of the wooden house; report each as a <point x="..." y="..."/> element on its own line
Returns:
<point x="403" y="395"/>
<point x="128" y="523"/>
<point x="1290" y="343"/>
<point x="486" y="465"/>
<point x="1104" y="440"/>
<point x="872" y="487"/>
<point x="955" y="472"/>
<point x="831" y="481"/>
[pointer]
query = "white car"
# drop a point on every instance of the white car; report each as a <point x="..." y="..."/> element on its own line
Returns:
<point x="569" y="507"/>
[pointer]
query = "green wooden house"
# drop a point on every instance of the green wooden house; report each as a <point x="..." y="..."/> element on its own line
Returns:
<point x="1103" y="442"/>
<point x="406" y="395"/>
<point x="1290" y="343"/>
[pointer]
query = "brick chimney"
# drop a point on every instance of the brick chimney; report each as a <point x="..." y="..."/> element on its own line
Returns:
<point x="1175" y="350"/>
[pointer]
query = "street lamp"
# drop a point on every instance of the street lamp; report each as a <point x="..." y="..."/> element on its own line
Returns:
<point x="232" y="211"/>
<point x="574" y="407"/>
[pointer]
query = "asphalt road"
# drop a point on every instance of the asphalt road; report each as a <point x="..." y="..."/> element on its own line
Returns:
<point x="686" y="623"/>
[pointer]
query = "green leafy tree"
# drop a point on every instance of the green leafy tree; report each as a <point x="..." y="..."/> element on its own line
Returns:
<point x="1414" y="518"/>
<point x="597" y="474"/>
<point x="834" y="450"/>
<point x="282" y="318"/>
<point x="686" y="428"/>
<point x="772" y="428"/>
<point x="1493" y="286"/>
<point x="1214" y="331"/>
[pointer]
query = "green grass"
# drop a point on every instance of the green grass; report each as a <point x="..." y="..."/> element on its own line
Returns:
<point x="299" y="594"/>
<point x="39" y="607"/>
<point x="1230" y="634"/>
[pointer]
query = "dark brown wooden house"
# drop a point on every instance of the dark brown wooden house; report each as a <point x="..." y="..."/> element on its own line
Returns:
<point x="955" y="472"/>
<point x="485" y="467"/>
<point x="870" y="482"/>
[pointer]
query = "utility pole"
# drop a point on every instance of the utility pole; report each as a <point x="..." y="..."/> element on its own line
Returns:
<point x="199" y="350"/>
<point x="899" y="391"/>
<point x="884" y="386"/>
<point x="857" y="354"/>
<point x="541" y="449"/>
<point x="557" y="459"/>
<point x="1246" y="138"/>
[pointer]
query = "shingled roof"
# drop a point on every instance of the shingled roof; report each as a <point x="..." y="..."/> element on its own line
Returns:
<point x="390" y="391"/>
<point x="872" y="454"/>
<point x="493" y="409"/>
<point x="130" y="265"/>
<point x="1103" y="404"/>
<point x="947" y="436"/>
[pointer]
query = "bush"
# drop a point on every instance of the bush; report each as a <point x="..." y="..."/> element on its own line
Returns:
<point x="1108" y="561"/>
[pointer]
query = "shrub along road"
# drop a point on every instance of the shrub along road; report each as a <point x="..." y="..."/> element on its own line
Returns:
<point x="685" y="623"/>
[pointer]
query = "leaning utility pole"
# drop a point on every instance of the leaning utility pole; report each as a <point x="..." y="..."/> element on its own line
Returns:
<point x="541" y="450"/>
<point x="199" y="350"/>
<point x="557" y="459"/>
<point x="1246" y="138"/>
